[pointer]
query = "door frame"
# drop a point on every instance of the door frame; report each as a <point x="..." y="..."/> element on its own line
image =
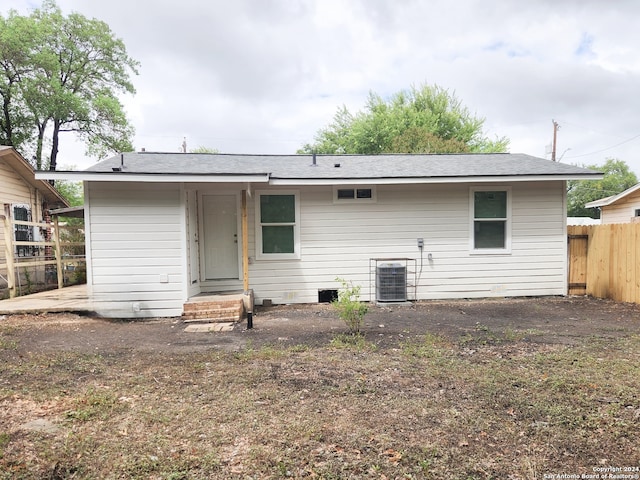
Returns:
<point x="193" y="242"/>
<point x="201" y="232"/>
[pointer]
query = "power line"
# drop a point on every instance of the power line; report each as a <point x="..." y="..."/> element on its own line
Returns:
<point x="608" y="148"/>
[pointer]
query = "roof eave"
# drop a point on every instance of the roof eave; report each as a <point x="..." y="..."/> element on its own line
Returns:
<point x="432" y="180"/>
<point x="596" y="203"/>
<point x="122" y="176"/>
<point x="74" y="212"/>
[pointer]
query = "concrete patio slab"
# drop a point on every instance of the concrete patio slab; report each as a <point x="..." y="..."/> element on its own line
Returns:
<point x="67" y="299"/>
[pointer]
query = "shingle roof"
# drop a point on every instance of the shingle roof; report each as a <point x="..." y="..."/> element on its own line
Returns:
<point x="340" y="166"/>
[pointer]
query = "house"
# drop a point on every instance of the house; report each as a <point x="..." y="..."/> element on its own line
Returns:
<point x="164" y="227"/>
<point x="23" y="198"/>
<point x="621" y="208"/>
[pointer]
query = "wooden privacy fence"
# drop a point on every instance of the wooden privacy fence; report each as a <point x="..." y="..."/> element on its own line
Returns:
<point x="604" y="261"/>
<point x="60" y="252"/>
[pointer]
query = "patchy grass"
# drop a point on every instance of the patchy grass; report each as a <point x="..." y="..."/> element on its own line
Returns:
<point x="427" y="407"/>
<point x="7" y="342"/>
<point x="356" y="342"/>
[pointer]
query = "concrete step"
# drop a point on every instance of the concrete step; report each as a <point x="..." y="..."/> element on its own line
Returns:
<point x="209" y="327"/>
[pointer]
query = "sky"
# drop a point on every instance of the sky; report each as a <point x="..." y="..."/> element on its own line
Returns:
<point x="263" y="76"/>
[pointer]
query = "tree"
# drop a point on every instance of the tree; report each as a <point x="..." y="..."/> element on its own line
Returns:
<point x="17" y="37"/>
<point x="203" y="149"/>
<point x="419" y="120"/>
<point x="63" y="74"/>
<point x="71" y="191"/>
<point x="617" y="178"/>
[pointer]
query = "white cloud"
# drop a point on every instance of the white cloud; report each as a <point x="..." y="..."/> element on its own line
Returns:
<point x="252" y="76"/>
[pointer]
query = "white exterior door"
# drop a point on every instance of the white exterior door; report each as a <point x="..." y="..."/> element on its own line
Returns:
<point x="220" y="232"/>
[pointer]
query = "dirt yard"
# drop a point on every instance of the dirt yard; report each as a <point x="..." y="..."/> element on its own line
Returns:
<point x="552" y="320"/>
<point x="513" y="389"/>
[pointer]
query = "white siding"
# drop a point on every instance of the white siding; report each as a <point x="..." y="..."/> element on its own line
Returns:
<point x="136" y="238"/>
<point x="338" y="240"/>
<point x="136" y="243"/>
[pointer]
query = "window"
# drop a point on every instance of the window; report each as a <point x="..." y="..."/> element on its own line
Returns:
<point x="23" y="233"/>
<point x="637" y="212"/>
<point x="277" y="217"/>
<point x="490" y="223"/>
<point x="354" y="194"/>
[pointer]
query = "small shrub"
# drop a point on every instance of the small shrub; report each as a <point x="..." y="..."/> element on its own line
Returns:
<point x="350" y="309"/>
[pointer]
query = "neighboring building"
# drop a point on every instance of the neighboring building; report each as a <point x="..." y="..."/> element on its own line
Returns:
<point x="22" y="197"/>
<point x="621" y="208"/>
<point x="164" y="227"/>
<point x="583" y="221"/>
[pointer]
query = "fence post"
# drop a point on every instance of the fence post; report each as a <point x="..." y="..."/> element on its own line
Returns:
<point x="56" y="239"/>
<point x="8" y="246"/>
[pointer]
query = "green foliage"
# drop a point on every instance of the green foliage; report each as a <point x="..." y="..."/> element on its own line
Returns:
<point x="15" y="34"/>
<point x="428" y="119"/>
<point x="617" y="178"/>
<point x="62" y="74"/>
<point x="350" y="309"/>
<point x="71" y="191"/>
<point x="203" y="149"/>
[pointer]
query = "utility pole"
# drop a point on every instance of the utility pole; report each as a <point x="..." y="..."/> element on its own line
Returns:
<point x="555" y="136"/>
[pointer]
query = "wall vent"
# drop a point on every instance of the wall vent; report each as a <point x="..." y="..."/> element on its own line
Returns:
<point x="391" y="282"/>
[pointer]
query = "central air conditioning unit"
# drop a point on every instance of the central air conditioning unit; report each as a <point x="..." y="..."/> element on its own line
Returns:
<point x="391" y="282"/>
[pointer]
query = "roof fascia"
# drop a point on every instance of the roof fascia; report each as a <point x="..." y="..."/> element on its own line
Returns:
<point x="150" y="177"/>
<point x="598" y="203"/>
<point x="432" y="180"/>
<point x="265" y="178"/>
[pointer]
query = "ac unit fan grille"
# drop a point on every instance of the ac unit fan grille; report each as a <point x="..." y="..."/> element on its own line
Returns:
<point x="391" y="283"/>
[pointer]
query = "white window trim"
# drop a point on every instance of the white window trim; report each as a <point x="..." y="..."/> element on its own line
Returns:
<point x="296" y="227"/>
<point x="373" y="198"/>
<point x="489" y="251"/>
